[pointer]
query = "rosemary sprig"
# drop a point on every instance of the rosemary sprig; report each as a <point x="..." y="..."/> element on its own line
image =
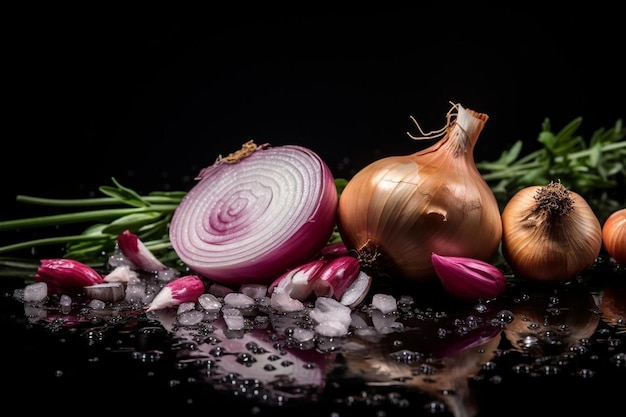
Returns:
<point x="591" y="168"/>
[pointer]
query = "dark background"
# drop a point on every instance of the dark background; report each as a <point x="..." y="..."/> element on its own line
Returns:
<point x="151" y="98"/>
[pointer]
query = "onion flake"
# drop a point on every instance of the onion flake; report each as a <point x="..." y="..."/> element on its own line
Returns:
<point x="255" y="214"/>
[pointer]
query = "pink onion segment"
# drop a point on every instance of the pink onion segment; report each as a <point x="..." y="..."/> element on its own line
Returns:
<point x="250" y="220"/>
<point x="468" y="278"/>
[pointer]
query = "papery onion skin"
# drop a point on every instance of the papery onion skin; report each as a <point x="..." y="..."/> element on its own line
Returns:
<point x="398" y="210"/>
<point x="542" y="245"/>
<point x="614" y="236"/>
<point x="250" y="220"/>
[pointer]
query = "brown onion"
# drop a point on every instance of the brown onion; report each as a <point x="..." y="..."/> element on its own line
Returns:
<point x="549" y="233"/>
<point x="614" y="236"/>
<point x="398" y="210"/>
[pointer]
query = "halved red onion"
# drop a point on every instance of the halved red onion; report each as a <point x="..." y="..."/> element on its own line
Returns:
<point x="256" y="214"/>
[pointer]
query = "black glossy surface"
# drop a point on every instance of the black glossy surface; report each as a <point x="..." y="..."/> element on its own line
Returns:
<point x="445" y="358"/>
<point x="152" y="100"/>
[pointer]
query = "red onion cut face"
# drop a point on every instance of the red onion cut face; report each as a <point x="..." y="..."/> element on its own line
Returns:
<point x="255" y="214"/>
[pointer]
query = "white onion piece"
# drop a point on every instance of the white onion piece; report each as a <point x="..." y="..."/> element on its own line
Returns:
<point x="109" y="292"/>
<point x="356" y="292"/>
<point x="250" y="220"/>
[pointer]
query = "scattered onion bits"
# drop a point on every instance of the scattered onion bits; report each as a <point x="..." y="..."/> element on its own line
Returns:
<point x="550" y="233"/>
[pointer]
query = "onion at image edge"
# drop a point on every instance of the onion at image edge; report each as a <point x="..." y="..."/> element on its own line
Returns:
<point x="398" y="210"/>
<point x="614" y="236"/>
<point x="255" y="214"/>
<point x="550" y="234"/>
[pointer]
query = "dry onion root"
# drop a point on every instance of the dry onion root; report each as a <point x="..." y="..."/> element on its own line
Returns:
<point x="255" y="214"/>
<point x="550" y="233"/>
<point x="399" y="210"/>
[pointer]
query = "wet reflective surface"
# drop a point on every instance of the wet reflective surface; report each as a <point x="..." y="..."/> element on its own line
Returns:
<point x="537" y="349"/>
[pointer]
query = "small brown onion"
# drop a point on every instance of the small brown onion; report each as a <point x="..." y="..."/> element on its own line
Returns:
<point x="398" y="210"/>
<point x="614" y="236"/>
<point x="550" y="233"/>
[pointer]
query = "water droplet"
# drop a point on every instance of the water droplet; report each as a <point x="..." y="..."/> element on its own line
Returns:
<point x="435" y="407"/>
<point x="405" y="356"/>
<point x="522" y="369"/>
<point x="496" y="379"/>
<point x="246" y="359"/>
<point x="619" y="360"/>
<point x="551" y="370"/>
<point x="481" y="308"/>
<point x="587" y="373"/>
<point x="503" y="317"/>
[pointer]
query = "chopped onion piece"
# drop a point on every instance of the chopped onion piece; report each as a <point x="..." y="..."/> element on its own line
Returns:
<point x="181" y="290"/>
<point x="336" y="276"/>
<point x="469" y="278"/>
<point x="298" y="282"/>
<point x="66" y="276"/>
<point x="110" y="292"/>
<point x="356" y="292"/>
<point x="284" y="303"/>
<point x="138" y="254"/>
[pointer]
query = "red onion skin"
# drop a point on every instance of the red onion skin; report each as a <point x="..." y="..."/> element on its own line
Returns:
<point x="261" y="262"/>
<point x="66" y="276"/>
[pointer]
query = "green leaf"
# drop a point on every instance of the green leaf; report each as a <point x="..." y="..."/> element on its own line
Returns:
<point x="513" y="153"/>
<point x="124" y="195"/>
<point x="130" y="222"/>
<point x="570" y="128"/>
<point x="595" y="155"/>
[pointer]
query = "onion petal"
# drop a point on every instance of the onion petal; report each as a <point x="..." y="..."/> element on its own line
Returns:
<point x="181" y="290"/>
<point x="336" y="276"/>
<point x="469" y="278"/>
<point x="298" y="282"/>
<point x="138" y="254"/>
<point x="66" y="276"/>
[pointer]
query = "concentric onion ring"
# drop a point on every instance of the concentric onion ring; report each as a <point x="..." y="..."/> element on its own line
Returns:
<point x="250" y="221"/>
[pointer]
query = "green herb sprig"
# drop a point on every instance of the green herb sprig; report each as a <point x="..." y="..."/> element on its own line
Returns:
<point x="591" y="168"/>
<point x="147" y="216"/>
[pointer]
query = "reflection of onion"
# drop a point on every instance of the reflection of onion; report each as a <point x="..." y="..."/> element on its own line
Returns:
<point x="378" y="365"/>
<point x="613" y="304"/>
<point x="552" y="321"/>
<point x="251" y="355"/>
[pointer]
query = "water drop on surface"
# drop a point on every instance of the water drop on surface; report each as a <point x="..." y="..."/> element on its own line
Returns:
<point x="435" y="407"/>
<point x="619" y="360"/>
<point x="586" y="373"/>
